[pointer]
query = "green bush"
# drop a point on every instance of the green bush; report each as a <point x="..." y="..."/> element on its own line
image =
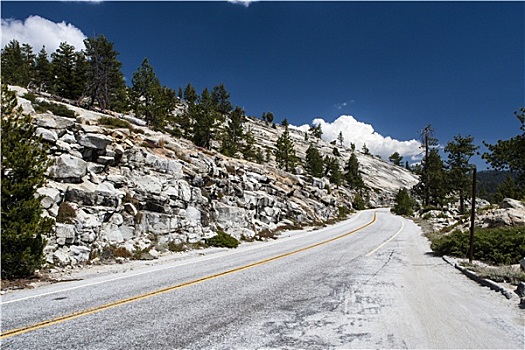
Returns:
<point x="359" y="202"/>
<point x="66" y="213"/>
<point x="223" y="240"/>
<point x="56" y="109"/>
<point x="500" y="246"/>
<point x="114" y="122"/>
<point x="404" y="203"/>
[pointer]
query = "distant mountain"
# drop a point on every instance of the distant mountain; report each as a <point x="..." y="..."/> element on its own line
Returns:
<point x="488" y="182"/>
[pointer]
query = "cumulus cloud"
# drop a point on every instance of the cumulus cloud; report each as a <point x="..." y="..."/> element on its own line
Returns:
<point x="37" y="32"/>
<point x="361" y="133"/>
<point x="245" y="3"/>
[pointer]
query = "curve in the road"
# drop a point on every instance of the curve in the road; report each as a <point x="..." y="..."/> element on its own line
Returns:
<point x="47" y="323"/>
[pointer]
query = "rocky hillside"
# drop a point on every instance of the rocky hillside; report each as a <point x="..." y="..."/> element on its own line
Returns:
<point x="133" y="191"/>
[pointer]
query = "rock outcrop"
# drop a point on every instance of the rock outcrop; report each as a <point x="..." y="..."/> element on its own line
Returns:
<point x="136" y="190"/>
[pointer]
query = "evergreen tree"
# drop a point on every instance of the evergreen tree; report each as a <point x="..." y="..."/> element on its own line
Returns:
<point x="17" y="63"/>
<point x="507" y="189"/>
<point x="340" y="138"/>
<point x="459" y="153"/>
<point x="205" y="120"/>
<point x="29" y="62"/>
<point x="285" y="152"/>
<point x="316" y="131"/>
<point x="510" y="154"/>
<point x="66" y="81"/>
<point x="146" y="95"/>
<point x="285" y="123"/>
<point x="404" y="204"/>
<point x="221" y="99"/>
<point x="428" y="141"/>
<point x="259" y="157"/>
<point x="43" y="71"/>
<point x="432" y="185"/>
<point x="352" y="174"/>
<point x="269" y="117"/>
<point x="314" y="162"/>
<point x="24" y="162"/>
<point x="365" y="149"/>
<point x="248" y="148"/>
<point x="233" y="133"/>
<point x="190" y="94"/>
<point x="106" y="84"/>
<point x="396" y="158"/>
<point x="335" y="152"/>
<point x="333" y="170"/>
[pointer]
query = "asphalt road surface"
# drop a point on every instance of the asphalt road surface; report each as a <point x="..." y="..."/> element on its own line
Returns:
<point x="368" y="282"/>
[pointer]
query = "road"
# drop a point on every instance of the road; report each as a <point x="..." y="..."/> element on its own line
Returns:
<point x="368" y="282"/>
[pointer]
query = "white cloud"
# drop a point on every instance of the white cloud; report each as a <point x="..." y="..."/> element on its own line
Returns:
<point x="361" y="133"/>
<point x="37" y="31"/>
<point x="245" y="3"/>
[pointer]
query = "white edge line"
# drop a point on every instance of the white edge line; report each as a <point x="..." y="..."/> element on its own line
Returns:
<point x="388" y="240"/>
<point x="190" y="261"/>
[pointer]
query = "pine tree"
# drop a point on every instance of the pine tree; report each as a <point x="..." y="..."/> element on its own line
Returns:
<point x="205" y="120"/>
<point x="432" y="185"/>
<point x="507" y="189"/>
<point x="510" y="154"/>
<point x="365" y="149"/>
<point x="396" y="158"/>
<point x="340" y="138"/>
<point x="17" y="63"/>
<point x="269" y="117"/>
<point x="459" y="153"/>
<point x="248" y="148"/>
<point x="352" y="173"/>
<point x="106" y="84"/>
<point x="190" y="94"/>
<point x="146" y="95"/>
<point x="404" y="204"/>
<point x="221" y="99"/>
<point x="314" y="162"/>
<point x="285" y="152"/>
<point x="43" y="71"/>
<point x="316" y="131"/>
<point x="66" y="81"/>
<point x="285" y="123"/>
<point x="333" y="170"/>
<point x="233" y="133"/>
<point x="24" y="162"/>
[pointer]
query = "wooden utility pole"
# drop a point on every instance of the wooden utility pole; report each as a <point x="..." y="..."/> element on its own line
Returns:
<point x="472" y="217"/>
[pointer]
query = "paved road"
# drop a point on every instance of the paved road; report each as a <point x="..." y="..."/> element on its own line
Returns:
<point x="368" y="282"/>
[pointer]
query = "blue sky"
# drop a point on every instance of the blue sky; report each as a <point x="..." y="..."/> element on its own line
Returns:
<point x="393" y="66"/>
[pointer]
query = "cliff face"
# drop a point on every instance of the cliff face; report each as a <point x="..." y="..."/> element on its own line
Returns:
<point x="142" y="191"/>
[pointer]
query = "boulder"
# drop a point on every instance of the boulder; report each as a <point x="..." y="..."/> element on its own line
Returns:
<point x="46" y="134"/>
<point x="65" y="234"/>
<point x="95" y="141"/>
<point x="148" y="184"/>
<point x="68" y="167"/>
<point x="49" y="196"/>
<point x="509" y="203"/>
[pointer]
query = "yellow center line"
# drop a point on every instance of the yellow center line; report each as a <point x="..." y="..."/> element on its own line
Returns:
<point x="47" y="323"/>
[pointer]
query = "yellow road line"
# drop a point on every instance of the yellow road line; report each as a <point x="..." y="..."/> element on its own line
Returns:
<point x="388" y="240"/>
<point x="43" y="324"/>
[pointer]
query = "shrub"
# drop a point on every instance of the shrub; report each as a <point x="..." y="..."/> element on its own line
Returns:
<point x="56" y="109"/>
<point x="343" y="212"/>
<point x="359" y="202"/>
<point x="114" y="122"/>
<point x="404" y="203"/>
<point x="66" y="213"/>
<point x="223" y="240"/>
<point x="497" y="246"/>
